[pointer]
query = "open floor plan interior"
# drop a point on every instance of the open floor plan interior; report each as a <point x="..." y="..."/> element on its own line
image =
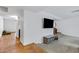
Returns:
<point x="39" y="29"/>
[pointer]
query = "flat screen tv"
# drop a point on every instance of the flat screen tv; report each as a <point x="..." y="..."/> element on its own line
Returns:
<point x="48" y="23"/>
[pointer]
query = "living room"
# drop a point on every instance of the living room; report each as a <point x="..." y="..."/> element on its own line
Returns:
<point x="31" y="22"/>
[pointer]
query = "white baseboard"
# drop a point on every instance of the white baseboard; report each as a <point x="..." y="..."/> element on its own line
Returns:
<point x="24" y="43"/>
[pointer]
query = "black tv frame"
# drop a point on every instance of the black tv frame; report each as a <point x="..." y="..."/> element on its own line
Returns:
<point x="48" y="23"/>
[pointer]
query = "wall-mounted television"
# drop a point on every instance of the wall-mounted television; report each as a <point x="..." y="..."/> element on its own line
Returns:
<point x="48" y="23"/>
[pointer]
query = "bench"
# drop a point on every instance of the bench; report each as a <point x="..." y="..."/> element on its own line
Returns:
<point x="47" y="39"/>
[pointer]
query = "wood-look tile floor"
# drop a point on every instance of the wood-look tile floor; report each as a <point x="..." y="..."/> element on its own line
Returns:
<point x="11" y="45"/>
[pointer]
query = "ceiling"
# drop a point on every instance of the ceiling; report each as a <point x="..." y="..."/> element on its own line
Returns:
<point x="63" y="12"/>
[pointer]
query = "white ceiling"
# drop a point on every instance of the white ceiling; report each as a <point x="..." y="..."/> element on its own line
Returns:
<point x="63" y="12"/>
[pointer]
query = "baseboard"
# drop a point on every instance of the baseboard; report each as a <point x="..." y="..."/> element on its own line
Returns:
<point x="24" y="43"/>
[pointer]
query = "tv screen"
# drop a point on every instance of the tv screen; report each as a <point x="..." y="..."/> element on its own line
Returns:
<point x="48" y="23"/>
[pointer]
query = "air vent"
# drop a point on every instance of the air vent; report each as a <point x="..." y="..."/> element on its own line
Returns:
<point x="3" y="9"/>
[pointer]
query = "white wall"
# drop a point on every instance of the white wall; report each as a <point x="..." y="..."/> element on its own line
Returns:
<point x="33" y="28"/>
<point x="21" y="27"/>
<point x="1" y="26"/>
<point x="10" y="24"/>
<point x="69" y="26"/>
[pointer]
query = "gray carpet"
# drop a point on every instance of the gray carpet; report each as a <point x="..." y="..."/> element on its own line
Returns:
<point x="65" y="44"/>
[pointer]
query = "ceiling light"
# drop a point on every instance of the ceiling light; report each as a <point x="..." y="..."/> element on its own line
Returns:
<point x="75" y="11"/>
